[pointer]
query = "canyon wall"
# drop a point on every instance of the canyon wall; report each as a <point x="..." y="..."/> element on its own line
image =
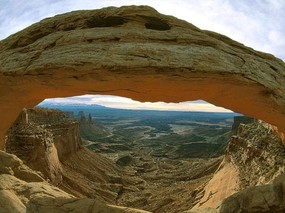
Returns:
<point x="138" y="53"/>
<point x="49" y="141"/>
<point x="23" y="190"/>
<point x="251" y="176"/>
<point x="43" y="138"/>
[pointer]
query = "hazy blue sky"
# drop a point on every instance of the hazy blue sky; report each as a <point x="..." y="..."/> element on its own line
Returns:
<point x="256" y="23"/>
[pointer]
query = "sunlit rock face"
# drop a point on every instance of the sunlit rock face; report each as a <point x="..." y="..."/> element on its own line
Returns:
<point x="251" y="176"/>
<point x="23" y="190"/>
<point x="43" y="138"/>
<point x="136" y="52"/>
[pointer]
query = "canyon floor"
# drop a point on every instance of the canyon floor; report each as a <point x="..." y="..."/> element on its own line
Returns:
<point x="166" y="158"/>
<point x="153" y="161"/>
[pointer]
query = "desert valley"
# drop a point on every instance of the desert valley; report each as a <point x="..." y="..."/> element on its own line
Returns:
<point x="95" y="159"/>
<point x="156" y="161"/>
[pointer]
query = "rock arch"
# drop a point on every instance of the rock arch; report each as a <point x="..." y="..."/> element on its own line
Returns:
<point x="136" y="52"/>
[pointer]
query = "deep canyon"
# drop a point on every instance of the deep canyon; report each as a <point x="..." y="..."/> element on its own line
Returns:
<point x="220" y="164"/>
<point x="52" y="165"/>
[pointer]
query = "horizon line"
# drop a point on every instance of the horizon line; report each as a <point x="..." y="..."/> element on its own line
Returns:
<point x="52" y="102"/>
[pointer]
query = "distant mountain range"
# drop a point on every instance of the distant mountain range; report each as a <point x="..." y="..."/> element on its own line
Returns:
<point x="99" y="110"/>
<point x="69" y="105"/>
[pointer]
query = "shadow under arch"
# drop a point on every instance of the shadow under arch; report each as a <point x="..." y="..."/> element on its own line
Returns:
<point x="131" y="59"/>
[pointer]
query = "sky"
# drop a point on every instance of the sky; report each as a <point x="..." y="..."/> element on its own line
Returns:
<point x="123" y="103"/>
<point x="259" y="24"/>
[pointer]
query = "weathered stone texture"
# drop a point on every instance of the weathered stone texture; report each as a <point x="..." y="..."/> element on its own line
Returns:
<point x="23" y="190"/>
<point x="251" y="176"/>
<point x="136" y="52"/>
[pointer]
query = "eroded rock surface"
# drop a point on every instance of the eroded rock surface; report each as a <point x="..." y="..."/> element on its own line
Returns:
<point x="19" y="184"/>
<point x="266" y="198"/>
<point x="251" y="177"/>
<point x="258" y="152"/>
<point x="136" y="52"/>
<point x="23" y="190"/>
<point x="49" y="141"/>
<point x="136" y="180"/>
<point x="43" y="138"/>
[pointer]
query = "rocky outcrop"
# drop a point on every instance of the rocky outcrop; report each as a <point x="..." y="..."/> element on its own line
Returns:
<point x="136" y="52"/>
<point x="23" y="190"/>
<point x="59" y="205"/>
<point x="224" y="183"/>
<point x="87" y="174"/>
<point x="241" y="120"/>
<point x="90" y="131"/>
<point x="19" y="184"/>
<point x="49" y="141"/>
<point x="258" y="152"/>
<point x="42" y="138"/>
<point x="132" y="179"/>
<point x="258" y="199"/>
<point x="266" y="198"/>
<point x="251" y="176"/>
<point x="253" y="157"/>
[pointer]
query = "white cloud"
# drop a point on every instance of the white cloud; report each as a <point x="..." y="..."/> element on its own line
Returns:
<point x="250" y="22"/>
<point x="126" y="103"/>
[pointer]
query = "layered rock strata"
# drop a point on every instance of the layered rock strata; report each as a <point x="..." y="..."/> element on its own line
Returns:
<point x="49" y="141"/>
<point x="23" y="190"/>
<point x="43" y="138"/>
<point x="136" y="52"/>
<point x="255" y="156"/>
<point x="251" y="176"/>
<point x="147" y="182"/>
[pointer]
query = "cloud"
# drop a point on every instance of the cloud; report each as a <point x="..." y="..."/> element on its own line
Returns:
<point x="127" y="103"/>
<point x="258" y="24"/>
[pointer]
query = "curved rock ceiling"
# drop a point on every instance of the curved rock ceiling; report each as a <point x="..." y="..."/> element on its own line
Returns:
<point x="136" y="52"/>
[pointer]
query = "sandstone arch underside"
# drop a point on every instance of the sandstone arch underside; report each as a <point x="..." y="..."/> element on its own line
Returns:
<point x="138" y="53"/>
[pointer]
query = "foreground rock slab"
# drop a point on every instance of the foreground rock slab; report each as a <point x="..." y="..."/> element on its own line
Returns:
<point x="60" y="205"/>
<point x="136" y="52"/>
<point x="23" y="190"/>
